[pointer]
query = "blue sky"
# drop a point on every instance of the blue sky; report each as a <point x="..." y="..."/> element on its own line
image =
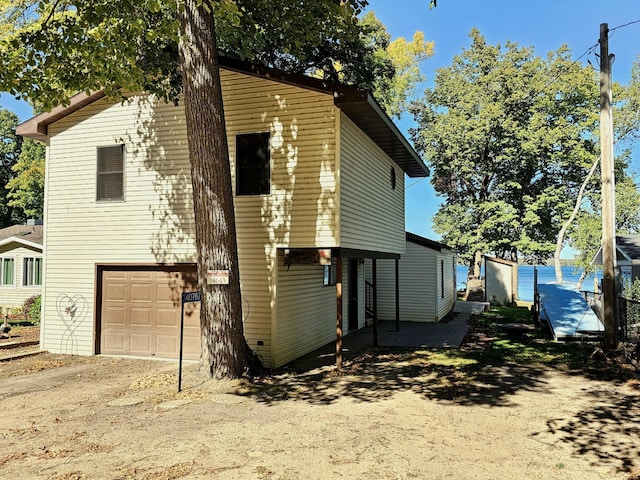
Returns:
<point x="544" y="25"/>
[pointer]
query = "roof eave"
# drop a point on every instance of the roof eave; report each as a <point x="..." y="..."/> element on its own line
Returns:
<point x="37" y="127"/>
<point x="358" y="105"/>
<point x="21" y="241"/>
<point x="367" y="113"/>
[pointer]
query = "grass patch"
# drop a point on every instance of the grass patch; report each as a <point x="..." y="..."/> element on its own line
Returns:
<point x="490" y="344"/>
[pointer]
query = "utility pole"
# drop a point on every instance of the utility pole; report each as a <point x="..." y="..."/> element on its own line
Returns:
<point x="608" y="195"/>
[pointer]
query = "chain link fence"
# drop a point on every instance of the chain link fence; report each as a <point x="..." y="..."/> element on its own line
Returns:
<point x="628" y="319"/>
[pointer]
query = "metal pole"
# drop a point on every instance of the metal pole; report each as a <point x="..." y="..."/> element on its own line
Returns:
<point x="181" y="337"/>
<point x="608" y="193"/>
<point x="397" y="295"/>
<point x="339" y="311"/>
<point x="375" y="302"/>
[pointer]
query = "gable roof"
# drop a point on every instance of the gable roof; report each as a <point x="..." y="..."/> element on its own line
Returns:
<point x="358" y="105"/>
<point x="627" y="250"/>
<point x="28" y="235"/>
<point x="629" y="245"/>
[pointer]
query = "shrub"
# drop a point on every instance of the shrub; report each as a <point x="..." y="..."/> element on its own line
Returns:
<point x="632" y="291"/>
<point x="31" y="309"/>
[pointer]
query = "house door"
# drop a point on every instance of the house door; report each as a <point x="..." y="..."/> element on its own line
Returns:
<point x="353" y="293"/>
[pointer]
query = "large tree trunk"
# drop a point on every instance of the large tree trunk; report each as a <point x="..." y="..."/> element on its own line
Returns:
<point x="565" y="226"/>
<point x="476" y="264"/>
<point x="225" y="353"/>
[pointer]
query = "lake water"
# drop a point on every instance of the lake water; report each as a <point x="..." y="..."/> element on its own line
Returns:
<point x="546" y="274"/>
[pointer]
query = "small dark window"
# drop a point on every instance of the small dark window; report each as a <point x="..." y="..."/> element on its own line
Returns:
<point x="393" y="178"/>
<point x="441" y="278"/>
<point x="253" y="164"/>
<point x="330" y="275"/>
<point x="110" y="181"/>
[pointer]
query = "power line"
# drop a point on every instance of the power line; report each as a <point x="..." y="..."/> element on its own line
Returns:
<point x="416" y="182"/>
<point x="612" y="30"/>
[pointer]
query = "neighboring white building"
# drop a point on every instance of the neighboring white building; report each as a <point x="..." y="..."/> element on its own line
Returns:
<point x="318" y="169"/>
<point x="627" y="258"/>
<point x="427" y="282"/>
<point x="21" y="264"/>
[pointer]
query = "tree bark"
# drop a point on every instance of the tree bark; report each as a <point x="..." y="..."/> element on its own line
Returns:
<point x="225" y="353"/>
<point x="567" y="224"/>
<point x="477" y="264"/>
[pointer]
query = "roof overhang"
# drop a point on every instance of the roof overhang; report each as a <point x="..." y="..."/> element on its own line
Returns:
<point x="21" y="241"/>
<point x="357" y="104"/>
<point x="425" y="242"/>
<point x="37" y="127"/>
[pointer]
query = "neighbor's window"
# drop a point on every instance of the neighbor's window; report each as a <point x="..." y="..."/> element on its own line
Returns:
<point x="110" y="181"/>
<point x="7" y="269"/>
<point x="442" y="278"/>
<point x="32" y="271"/>
<point x="253" y="164"/>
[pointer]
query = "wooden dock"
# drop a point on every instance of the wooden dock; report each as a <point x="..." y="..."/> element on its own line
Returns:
<point x="567" y="312"/>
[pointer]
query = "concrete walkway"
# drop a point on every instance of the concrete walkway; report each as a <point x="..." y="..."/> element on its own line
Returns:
<point x="446" y="334"/>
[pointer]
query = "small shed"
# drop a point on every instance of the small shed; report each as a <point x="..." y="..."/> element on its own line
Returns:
<point x="500" y="280"/>
<point x="426" y="282"/>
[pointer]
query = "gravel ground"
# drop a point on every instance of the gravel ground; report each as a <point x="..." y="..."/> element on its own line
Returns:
<point x="387" y="416"/>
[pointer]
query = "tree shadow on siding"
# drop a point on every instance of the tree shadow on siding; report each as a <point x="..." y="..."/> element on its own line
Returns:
<point x="299" y="209"/>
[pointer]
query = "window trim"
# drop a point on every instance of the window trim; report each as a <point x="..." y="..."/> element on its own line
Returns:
<point x="25" y="271"/>
<point x="123" y="172"/>
<point x="13" y="280"/>
<point x="238" y="177"/>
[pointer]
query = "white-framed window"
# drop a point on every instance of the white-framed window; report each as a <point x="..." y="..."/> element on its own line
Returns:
<point x="253" y="164"/>
<point x="110" y="173"/>
<point x="7" y="271"/>
<point x="32" y="271"/>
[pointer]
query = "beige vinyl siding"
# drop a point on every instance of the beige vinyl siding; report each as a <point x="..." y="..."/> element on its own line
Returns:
<point x="300" y="211"/>
<point x="306" y="311"/>
<point x="446" y="303"/>
<point x="12" y="296"/>
<point x="371" y="212"/>
<point x="420" y="275"/>
<point x="154" y="224"/>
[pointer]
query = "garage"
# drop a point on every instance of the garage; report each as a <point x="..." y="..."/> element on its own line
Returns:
<point x="140" y="311"/>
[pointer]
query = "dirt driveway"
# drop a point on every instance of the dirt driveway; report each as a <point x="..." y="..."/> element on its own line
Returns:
<point x="388" y="417"/>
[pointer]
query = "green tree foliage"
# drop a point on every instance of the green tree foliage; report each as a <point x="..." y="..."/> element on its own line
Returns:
<point x="10" y="147"/>
<point x="509" y="138"/>
<point x="26" y="188"/>
<point x="139" y="40"/>
<point x="403" y="57"/>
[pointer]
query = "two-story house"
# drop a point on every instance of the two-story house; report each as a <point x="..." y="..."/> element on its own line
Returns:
<point x="318" y="173"/>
